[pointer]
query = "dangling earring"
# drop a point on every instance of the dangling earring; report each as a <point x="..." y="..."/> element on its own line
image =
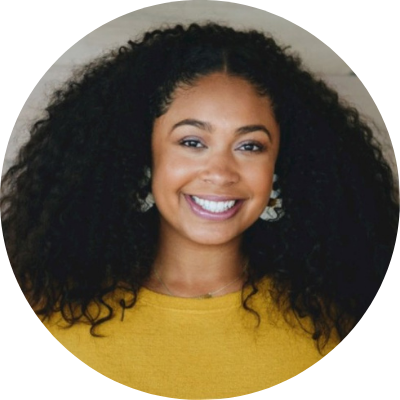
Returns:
<point x="148" y="202"/>
<point x="273" y="211"/>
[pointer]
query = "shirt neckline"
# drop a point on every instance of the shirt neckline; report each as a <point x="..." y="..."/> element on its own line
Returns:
<point x="150" y="297"/>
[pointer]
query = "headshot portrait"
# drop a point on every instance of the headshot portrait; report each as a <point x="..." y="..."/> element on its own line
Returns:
<point x="199" y="200"/>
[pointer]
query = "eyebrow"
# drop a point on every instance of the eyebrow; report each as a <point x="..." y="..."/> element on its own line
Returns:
<point x="206" y="126"/>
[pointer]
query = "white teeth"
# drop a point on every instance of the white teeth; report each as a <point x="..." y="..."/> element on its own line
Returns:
<point x="214" y="206"/>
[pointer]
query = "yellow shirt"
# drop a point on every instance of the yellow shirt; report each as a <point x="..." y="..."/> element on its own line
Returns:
<point x="193" y="348"/>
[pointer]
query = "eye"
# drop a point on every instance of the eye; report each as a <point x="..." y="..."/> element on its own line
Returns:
<point x="254" y="147"/>
<point x="191" y="143"/>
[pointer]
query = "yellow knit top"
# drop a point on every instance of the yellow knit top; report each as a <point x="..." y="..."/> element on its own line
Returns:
<point x="194" y="348"/>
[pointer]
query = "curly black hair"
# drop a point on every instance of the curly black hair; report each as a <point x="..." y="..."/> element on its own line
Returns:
<point x="71" y="203"/>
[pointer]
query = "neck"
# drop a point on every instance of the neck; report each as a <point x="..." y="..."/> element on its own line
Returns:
<point x="190" y="269"/>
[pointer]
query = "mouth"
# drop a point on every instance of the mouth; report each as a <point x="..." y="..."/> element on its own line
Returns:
<point x="214" y="207"/>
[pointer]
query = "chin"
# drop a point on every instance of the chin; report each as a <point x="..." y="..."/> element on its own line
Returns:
<point x="212" y="239"/>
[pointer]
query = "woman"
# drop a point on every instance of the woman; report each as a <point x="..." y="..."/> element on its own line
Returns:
<point x="205" y="215"/>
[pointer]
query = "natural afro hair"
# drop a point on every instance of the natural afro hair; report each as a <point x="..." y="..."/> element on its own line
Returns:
<point x="71" y="203"/>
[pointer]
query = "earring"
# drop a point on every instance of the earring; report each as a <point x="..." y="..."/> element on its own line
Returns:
<point x="273" y="211"/>
<point x="148" y="202"/>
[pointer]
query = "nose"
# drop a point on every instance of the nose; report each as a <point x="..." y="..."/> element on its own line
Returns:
<point x="220" y="170"/>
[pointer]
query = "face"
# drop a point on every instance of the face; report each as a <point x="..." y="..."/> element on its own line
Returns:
<point x="214" y="154"/>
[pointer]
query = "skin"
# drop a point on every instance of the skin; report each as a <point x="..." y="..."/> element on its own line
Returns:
<point x="218" y="138"/>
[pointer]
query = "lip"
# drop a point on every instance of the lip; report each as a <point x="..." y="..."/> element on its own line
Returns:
<point x="222" y="216"/>
<point x="216" y="197"/>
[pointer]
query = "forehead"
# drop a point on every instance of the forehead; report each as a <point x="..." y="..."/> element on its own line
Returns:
<point x="220" y="98"/>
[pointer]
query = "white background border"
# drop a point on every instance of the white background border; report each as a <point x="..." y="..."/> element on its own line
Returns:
<point x="35" y="34"/>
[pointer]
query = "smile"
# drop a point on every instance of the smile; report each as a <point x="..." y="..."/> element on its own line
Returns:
<point x="214" y="208"/>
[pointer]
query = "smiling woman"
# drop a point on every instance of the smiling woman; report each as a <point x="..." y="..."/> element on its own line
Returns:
<point x="206" y="216"/>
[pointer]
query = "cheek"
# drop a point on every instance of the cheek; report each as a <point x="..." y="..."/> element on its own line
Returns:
<point x="263" y="191"/>
<point x="169" y="162"/>
<point x="170" y="174"/>
<point x="261" y="182"/>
